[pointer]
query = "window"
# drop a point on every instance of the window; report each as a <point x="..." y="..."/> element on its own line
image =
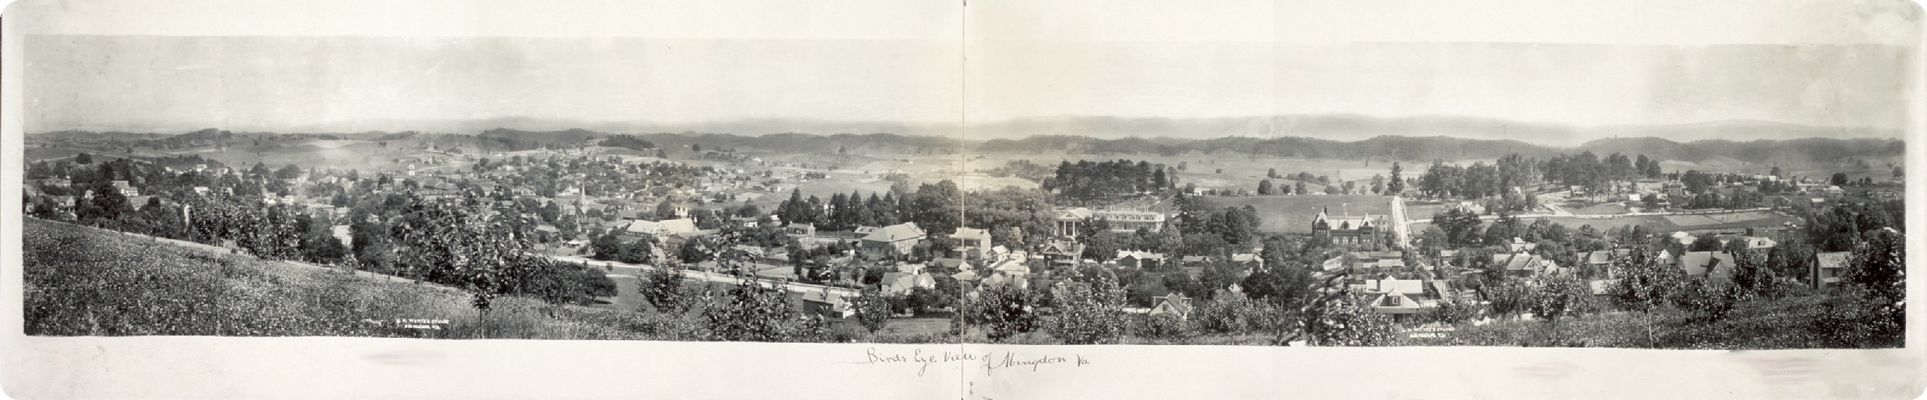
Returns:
<point x="1391" y="300"/>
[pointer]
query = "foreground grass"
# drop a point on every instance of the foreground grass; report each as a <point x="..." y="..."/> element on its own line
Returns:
<point x="86" y="282"/>
<point x="1787" y="323"/>
<point x="83" y="281"/>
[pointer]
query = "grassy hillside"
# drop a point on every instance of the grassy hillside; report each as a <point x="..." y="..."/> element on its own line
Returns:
<point x="87" y="282"/>
<point x="1802" y="322"/>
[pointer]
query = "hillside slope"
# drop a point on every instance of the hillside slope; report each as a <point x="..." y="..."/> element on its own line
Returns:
<point x="87" y="282"/>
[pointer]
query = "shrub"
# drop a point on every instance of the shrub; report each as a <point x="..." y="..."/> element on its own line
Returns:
<point x="1163" y="327"/>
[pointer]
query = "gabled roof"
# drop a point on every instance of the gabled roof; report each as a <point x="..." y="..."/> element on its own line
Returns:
<point x="677" y="226"/>
<point x="1141" y="255"/>
<point x="1011" y="266"/>
<point x="1696" y="262"/>
<point x="970" y="234"/>
<point x="1523" y="262"/>
<point x="1074" y="213"/>
<point x="1171" y="304"/>
<point x="965" y="275"/>
<point x="1063" y="247"/>
<point x="895" y="233"/>
<point x="1407" y="286"/>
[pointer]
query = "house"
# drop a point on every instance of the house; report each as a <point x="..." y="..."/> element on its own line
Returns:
<point x="952" y="264"/>
<point x="1011" y="266"/>
<point x="125" y="189"/>
<point x="1602" y="291"/>
<point x="745" y="222"/>
<point x="1172" y="304"/>
<point x="1000" y="280"/>
<point x="1193" y="261"/>
<point x="56" y="182"/>
<point x="1834" y="192"/>
<point x="1070" y="221"/>
<point x="899" y="283"/>
<point x="1520" y="246"/>
<point x="1248" y="261"/>
<point x="893" y="239"/>
<point x="1758" y="243"/>
<point x="800" y="229"/>
<point x="1828" y="268"/>
<point x="966" y="276"/>
<point x="1522" y="264"/>
<point x="1403" y="298"/>
<point x="1063" y="252"/>
<point x="1359" y="231"/>
<point x="828" y="305"/>
<point x="1698" y="263"/>
<point x="1138" y="259"/>
<point x="1602" y="260"/>
<point x="968" y="238"/>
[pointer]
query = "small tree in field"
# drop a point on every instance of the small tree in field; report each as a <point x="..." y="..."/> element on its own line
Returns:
<point x="872" y="309"/>
<point x="663" y="287"/>
<point x="475" y="252"/>
<point x="1558" y="296"/>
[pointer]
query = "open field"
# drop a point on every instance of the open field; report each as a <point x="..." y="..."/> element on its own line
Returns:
<point x="1293" y="214"/>
<point x="1595" y="209"/>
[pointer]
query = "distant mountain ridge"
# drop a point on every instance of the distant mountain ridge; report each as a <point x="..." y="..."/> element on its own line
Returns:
<point x="1443" y="138"/>
<point x="1339" y="127"/>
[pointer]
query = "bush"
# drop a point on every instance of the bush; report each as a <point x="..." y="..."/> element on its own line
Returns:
<point x="1087" y="313"/>
<point x="1003" y="311"/>
<point x="1162" y="327"/>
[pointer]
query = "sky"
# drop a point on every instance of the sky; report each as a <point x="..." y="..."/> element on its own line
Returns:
<point x="1579" y="63"/>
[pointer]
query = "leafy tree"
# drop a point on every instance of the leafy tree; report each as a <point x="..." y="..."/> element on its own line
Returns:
<point x="1089" y="312"/>
<point x="662" y="286"/>
<point x="1557" y="296"/>
<point x="1877" y="275"/>
<point x="750" y="312"/>
<point x="1004" y="311"/>
<point x="642" y="250"/>
<point x="1230" y="312"/>
<point x="872" y="309"/>
<point x="83" y="158"/>
<point x="467" y="250"/>
<point x="1705" y="243"/>
<point x="1454" y="309"/>
<point x="1509" y="296"/>
<point x="1346" y="321"/>
<point x="1397" y="183"/>
<point x="665" y="210"/>
<point x="1264" y="187"/>
<point x="107" y="205"/>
